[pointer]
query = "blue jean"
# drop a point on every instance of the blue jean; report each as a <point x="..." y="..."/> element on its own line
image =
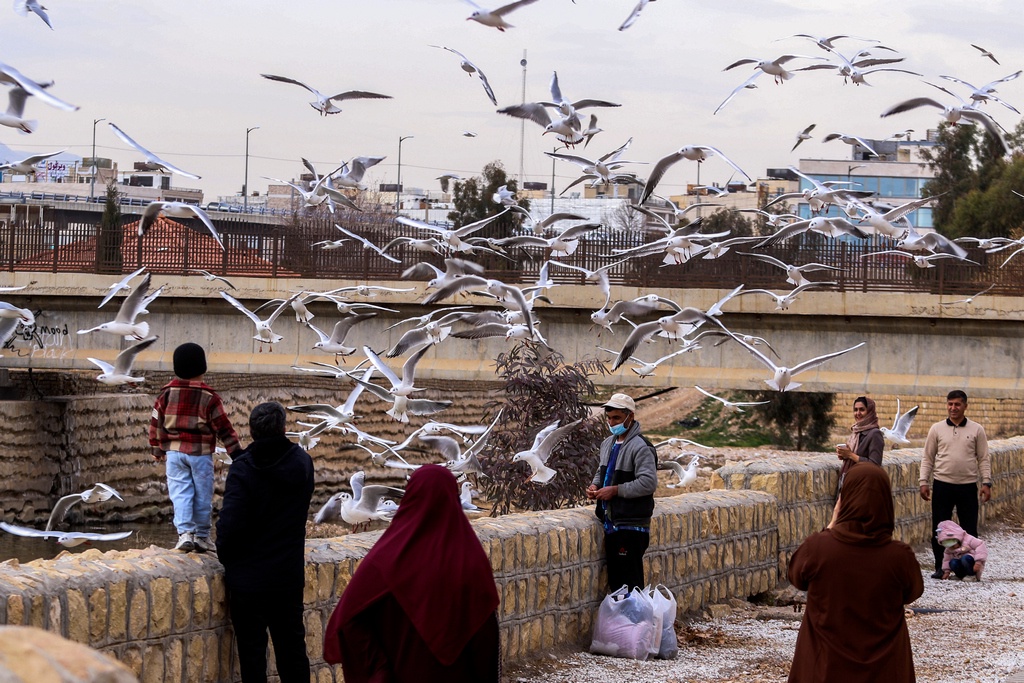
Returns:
<point x="190" y="487"/>
<point x="962" y="566"/>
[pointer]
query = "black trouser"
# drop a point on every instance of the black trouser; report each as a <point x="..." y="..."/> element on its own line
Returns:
<point x="280" y="612"/>
<point x="624" y="551"/>
<point x="945" y="497"/>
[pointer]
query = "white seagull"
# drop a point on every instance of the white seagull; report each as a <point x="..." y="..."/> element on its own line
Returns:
<point x="121" y="284"/>
<point x="495" y="17"/>
<point x="124" y="322"/>
<point x="733" y="406"/>
<point x="210" y="277"/>
<point x="10" y="75"/>
<point x="98" y="493"/>
<point x="178" y="210"/>
<point x="264" y="333"/>
<point x="121" y="371"/>
<point x="543" y="444"/>
<point x="900" y="425"/>
<point x="335" y="341"/>
<point x="687" y="475"/>
<point x="324" y="104"/>
<point x="28" y="164"/>
<point x="794" y="274"/>
<point x="782" y="377"/>
<point x="153" y="162"/>
<point x="359" y="507"/>
<point x="68" y="539"/>
<point x="23" y="7"/>
<point x="698" y="153"/>
<point x="470" y="68"/>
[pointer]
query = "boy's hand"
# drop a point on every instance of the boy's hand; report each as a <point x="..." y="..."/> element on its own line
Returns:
<point x="159" y="456"/>
<point x="979" y="567"/>
<point x="945" y="575"/>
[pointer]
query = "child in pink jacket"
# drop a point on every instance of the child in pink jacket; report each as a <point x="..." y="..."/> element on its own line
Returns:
<point x="965" y="555"/>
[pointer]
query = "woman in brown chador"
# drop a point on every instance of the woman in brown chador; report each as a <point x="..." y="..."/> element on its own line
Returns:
<point x="857" y="580"/>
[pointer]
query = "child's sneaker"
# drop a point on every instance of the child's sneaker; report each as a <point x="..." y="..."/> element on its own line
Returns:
<point x="186" y="542"/>
<point x="203" y="545"/>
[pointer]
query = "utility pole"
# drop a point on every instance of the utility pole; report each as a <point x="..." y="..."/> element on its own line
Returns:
<point x="92" y="184"/>
<point x="398" y="188"/>
<point x="245" y="183"/>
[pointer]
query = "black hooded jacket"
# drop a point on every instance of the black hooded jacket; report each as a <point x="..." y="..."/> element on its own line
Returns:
<point x="261" y="530"/>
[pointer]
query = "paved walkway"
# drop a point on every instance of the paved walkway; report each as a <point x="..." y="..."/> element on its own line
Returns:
<point x="977" y="638"/>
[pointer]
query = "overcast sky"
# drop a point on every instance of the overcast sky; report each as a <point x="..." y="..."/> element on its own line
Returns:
<point x="183" y="79"/>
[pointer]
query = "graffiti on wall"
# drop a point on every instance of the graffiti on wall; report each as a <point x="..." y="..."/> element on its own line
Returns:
<point x="40" y="340"/>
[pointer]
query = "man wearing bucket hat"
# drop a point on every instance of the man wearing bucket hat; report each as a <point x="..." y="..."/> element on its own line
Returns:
<point x="624" y="490"/>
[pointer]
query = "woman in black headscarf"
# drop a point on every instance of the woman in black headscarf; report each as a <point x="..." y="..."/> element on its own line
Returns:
<point x="858" y="580"/>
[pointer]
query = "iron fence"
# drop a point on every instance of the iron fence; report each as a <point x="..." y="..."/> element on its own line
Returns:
<point x="287" y="250"/>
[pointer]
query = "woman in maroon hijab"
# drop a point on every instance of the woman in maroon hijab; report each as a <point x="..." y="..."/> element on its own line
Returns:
<point x="422" y="604"/>
<point x="857" y="580"/>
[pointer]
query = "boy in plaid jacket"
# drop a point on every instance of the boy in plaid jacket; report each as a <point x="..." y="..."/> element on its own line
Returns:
<point x="187" y="420"/>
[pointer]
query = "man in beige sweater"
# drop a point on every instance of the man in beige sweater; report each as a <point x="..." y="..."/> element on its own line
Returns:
<point x="955" y="457"/>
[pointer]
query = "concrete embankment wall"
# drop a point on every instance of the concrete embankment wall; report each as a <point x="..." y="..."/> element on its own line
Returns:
<point x="163" y="613"/>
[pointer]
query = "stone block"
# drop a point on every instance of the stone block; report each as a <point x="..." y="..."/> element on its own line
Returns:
<point x="211" y="659"/>
<point x="218" y="599"/>
<point x="138" y="614"/>
<point x="118" y="609"/>
<point x="201" y="601"/>
<point x="508" y="600"/>
<point x="161" y="606"/>
<point x="309" y="587"/>
<point x="131" y="657"/>
<point x="314" y="635"/>
<point x="194" y="659"/>
<point x="173" y="661"/>
<point x="97" y="616"/>
<point x="182" y="609"/>
<point x="15" y="610"/>
<point x="78" y="617"/>
<point x="153" y="664"/>
<point x="548" y="632"/>
<point x="541" y="592"/>
<point x="529" y="559"/>
<point x="54" y="615"/>
<point x="325" y="582"/>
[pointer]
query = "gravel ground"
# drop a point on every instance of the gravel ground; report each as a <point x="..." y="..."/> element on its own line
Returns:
<point x="978" y="640"/>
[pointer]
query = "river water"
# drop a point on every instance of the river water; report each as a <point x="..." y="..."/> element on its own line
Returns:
<point x="144" y="535"/>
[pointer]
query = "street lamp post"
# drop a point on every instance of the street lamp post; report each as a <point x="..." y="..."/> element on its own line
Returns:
<point x="553" y="160"/>
<point x="398" y="187"/>
<point x="245" y="183"/>
<point x="92" y="183"/>
<point x="851" y="169"/>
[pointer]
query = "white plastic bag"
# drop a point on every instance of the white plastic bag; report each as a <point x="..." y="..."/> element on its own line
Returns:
<point x="625" y="625"/>
<point x="655" y="644"/>
<point x="665" y="607"/>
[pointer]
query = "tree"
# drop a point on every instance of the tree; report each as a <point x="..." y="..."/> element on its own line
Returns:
<point x="473" y="202"/>
<point x="539" y="388"/>
<point x="803" y="420"/>
<point x="727" y="220"/>
<point x="953" y="166"/>
<point x="109" y="240"/>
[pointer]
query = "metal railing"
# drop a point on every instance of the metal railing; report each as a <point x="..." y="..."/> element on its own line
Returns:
<point x="287" y="250"/>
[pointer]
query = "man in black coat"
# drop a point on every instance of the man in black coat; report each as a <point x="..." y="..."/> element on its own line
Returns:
<point x="261" y="540"/>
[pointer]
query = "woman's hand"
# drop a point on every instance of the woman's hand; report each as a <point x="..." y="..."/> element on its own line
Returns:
<point x="844" y="453"/>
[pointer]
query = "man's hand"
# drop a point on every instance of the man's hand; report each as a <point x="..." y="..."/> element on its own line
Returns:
<point x="926" y="493"/>
<point x="591" y="492"/>
<point x="606" y="493"/>
<point x="986" y="493"/>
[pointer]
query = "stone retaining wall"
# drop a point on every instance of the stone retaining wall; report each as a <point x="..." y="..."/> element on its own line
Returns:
<point x="164" y="614"/>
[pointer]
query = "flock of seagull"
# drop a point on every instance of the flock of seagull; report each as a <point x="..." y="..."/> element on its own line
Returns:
<point x="510" y="310"/>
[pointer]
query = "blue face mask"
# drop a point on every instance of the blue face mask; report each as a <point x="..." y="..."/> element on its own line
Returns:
<point x="618" y="430"/>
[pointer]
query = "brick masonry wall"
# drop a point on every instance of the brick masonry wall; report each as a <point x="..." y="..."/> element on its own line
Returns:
<point x="163" y="614"/>
<point x="1001" y="417"/>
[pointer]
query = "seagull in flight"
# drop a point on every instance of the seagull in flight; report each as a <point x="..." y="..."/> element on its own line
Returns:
<point x="687" y="475"/>
<point x="264" y="333"/>
<point x="98" y="493"/>
<point x="969" y="300"/>
<point x="543" y="444"/>
<point x="68" y="539"/>
<point x="794" y="274"/>
<point x="11" y="76"/>
<point x="325" y="104"/>
<point x="210" y="277"/>
<point x="733" y="406"/>
<point x="28" y="164"/>
<point x="698" y="153"/>
<point x="124" y="322"/>
<point x="121" y="284"/>
<point x="178" y="210"/>
<point x="360" y="506"/>
<point x="805" y="134"/>
<point x="951" y="113"/>
<point x="983" y="51"/>
<point x="23" y="7"/>
<point x="495" y="17"/>
<point x="782" y="376"/>
<point x="634" y="15"/>
<point x="773" y="67"/>
<point x="900" y="425"/>
<point x="153" y="162"/>
<point x="121" y="371"/>
<point x="471" y="68"/>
